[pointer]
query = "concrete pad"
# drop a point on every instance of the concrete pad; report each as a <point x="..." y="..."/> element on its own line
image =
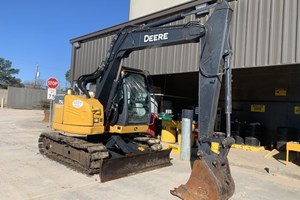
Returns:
<point x="26" y="174"/>
<point x="264" y="161"/>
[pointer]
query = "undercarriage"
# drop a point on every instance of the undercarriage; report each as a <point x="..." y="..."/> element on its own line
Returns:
<point x="112" y="156"/>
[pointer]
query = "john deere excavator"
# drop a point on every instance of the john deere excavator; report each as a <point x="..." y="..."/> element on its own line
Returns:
<point x="105" y="133"/>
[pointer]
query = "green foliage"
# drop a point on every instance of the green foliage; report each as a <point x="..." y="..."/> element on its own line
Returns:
<point x="68" y="76"/>
<point x="6" y="75"/>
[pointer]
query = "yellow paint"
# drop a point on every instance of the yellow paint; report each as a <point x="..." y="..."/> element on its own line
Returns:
<point x="141" y="148"/>
<point x="175" y="148"/>
<point x="280" y="92"/>
<point x="77" y="116"/>
<point x="258" y="108"/>
<point x="297" y="110"/>
<point x="78" y="110"/>
<point x="80" y="130"/>
<point x="128" y="129"/>
<point x="291" y="146"/>
<point x="58" y="113"/>
<point x="215" y="147"/>
<point x="247" y="147"/>
<point x="168" y="132"/>
<point x="168" y="136"/>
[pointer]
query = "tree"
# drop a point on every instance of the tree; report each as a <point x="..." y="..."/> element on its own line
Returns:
<point x="6" y="75"/>
<point x="68" y="76"/>
<point x="39" y="84"/>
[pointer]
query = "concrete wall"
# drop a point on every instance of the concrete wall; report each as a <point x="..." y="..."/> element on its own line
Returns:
<point x="26" y="98"/>
<point x="3" y="94"/>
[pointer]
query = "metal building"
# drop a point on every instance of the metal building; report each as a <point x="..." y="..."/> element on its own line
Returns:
<point x="266" y="62"/>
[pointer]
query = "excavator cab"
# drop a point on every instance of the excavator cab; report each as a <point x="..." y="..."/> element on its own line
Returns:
<point x="131" y="103"/>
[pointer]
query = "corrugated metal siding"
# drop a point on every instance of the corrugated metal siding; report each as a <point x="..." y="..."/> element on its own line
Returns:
<point x="167" y="60"/>
<point x="267" y="33"/>
<point x="289" y="38"/>
<point x="276" y="32"/>
<point x="264" y="33"/>
<point x="298" y="35"/>
<point x="90" y="55"/>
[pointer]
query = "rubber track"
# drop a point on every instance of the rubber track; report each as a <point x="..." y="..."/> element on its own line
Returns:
<point x="72" y="142"/>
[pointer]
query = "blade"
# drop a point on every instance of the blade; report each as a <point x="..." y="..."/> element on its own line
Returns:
<point x="129" y="165"/>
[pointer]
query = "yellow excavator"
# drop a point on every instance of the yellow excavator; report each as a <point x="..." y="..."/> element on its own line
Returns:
<point x="105" y="132"/>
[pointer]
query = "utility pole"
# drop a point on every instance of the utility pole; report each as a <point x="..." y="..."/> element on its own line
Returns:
<point x="37" y="74"/>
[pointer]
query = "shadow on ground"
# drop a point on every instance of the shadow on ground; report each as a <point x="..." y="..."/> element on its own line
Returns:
<point x="294" y="157"/>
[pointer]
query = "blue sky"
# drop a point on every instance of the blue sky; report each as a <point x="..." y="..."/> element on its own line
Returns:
<point x="38" y="31"/>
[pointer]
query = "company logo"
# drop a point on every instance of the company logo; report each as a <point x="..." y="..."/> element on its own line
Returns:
<point x="77" y="103"/>
<point x="155" y="37"/>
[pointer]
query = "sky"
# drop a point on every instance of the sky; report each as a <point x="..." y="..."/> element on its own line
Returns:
<point x="38" y="32"/>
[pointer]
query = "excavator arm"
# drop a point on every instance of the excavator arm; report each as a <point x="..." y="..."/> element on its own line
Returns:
<point x="213" y="36"/>
<point x="210" y="178"/>
<point x="129" y="40"/>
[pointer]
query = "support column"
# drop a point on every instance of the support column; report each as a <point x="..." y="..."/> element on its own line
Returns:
<point x="186" y="134"/>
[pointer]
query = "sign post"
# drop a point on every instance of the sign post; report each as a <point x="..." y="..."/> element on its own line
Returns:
<point x="52" y="84"/>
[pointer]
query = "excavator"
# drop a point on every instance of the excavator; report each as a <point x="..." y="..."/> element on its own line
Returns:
<point x="105" y="132"/>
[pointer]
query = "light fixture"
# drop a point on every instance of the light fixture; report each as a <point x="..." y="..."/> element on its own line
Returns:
<point x="76" y="45"/>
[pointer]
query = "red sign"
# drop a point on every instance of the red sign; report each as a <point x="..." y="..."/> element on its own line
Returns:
<point x="52" y="83"/>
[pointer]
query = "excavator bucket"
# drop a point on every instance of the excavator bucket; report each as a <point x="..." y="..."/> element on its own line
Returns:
<point x="210" y="178"/>
<point x="129" y="165"/>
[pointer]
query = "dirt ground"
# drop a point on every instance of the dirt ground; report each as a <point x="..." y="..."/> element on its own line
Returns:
<point x="26" y="174"/>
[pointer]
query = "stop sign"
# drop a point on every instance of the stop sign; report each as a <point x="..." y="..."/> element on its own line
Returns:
<point x="52" y="83"/>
